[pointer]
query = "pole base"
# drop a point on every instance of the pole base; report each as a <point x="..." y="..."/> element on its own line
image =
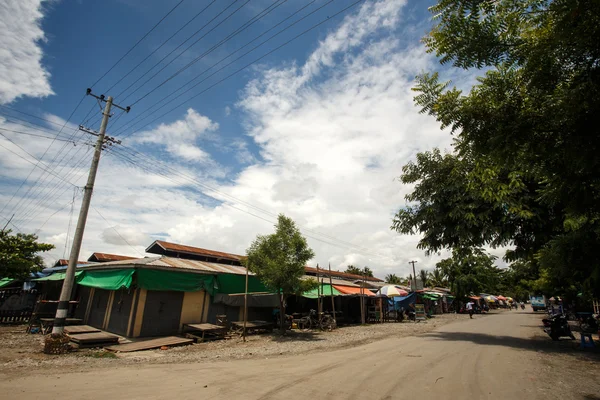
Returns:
<point x="57" y="344"/>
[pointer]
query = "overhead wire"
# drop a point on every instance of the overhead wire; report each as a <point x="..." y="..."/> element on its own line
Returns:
<point x="161" y="45"/>
<point x="239" y="30"/>
<point x="133" y="123"/>
<point x="35" y="135"/>
<point x="230" y="197"/>
<point x="137" y="43"/>
<point x="41" y="158"/>
<point x="186" y="49"/>
<point x="116" y="231"/>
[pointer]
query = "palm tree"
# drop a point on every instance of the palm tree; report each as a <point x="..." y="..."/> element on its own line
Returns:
<point x="393" y="279"/>
<point x="424" y="277"/>
<point x="437" y="278"/>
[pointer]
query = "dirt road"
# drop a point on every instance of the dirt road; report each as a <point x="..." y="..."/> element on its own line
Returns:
<point x="498" y="356"/>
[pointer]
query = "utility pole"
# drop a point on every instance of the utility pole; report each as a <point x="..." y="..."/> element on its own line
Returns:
<point x="414" y="273"/>
<point x="67" y="288"/>
<point x="5" y="226"/>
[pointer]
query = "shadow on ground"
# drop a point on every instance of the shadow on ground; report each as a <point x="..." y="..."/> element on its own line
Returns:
<point x="537" y="343"/>
<point x="298" y="336"/>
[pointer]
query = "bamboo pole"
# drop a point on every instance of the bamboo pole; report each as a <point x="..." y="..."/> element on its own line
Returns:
<point x="246" y="306"/>
<point x="362" y="300"/>
<point x="332" y="300"/>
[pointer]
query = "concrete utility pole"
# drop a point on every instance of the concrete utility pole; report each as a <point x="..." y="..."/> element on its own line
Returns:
<point x="414" y="273"/>
<point x="67" y="288"/>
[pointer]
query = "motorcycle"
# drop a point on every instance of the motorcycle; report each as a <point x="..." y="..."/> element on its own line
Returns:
<point x="557" y="326"/>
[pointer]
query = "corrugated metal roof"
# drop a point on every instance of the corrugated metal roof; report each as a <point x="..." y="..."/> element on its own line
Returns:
<point x="65" y="262"/>
<point x="105" y="257"/>
<point x="194" y="250"/>
<point x="172" y="263"/>
<point x="342" y="275"/>
<point x="334" y="281"/>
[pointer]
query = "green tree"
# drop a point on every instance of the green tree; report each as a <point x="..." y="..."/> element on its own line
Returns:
<point x="278" y="260"/>
<point x="19" y="255"/>
<point x="351" y="269"/>
<point x="424" y="277"/>
<point x="526" y="141"/>
<point x="437" y="278"/>
<point x="469" y="271"/>
<point x="392" y="279"/>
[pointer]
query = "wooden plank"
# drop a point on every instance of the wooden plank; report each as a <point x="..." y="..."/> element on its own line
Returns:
<point x="205" y="327"/>
<point x="254" y="324"/>
<point x="94" y="337"/>
<point x="168" y="341"/>
<point x="74" y="329"/>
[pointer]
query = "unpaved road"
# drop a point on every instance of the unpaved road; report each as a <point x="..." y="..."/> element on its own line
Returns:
<point x="498" y="356"/>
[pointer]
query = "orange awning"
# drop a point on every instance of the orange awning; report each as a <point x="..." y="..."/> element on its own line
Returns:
<point x="353" y="290"/>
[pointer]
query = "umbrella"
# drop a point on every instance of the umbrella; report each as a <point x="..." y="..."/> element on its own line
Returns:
<point x="491" y="299"/>
<point x="501" y="298"/>
<point x="392" y="291"/>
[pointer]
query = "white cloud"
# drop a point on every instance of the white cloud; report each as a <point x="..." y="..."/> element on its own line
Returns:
<point x="181" y="138"/>
<point x="21" y="66"/>
<point x="333" y="133"/>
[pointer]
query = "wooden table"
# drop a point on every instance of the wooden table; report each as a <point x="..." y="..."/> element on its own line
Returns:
<point x="252" y="326"/>
<point x="203" y="332"/>
<point x="47" y="323"/>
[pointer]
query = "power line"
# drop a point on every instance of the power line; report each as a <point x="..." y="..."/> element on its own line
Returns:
<point x="29" y="161"/>
<point x="177" y="56"/>
<point x="161" y="45"/>
<point x="232" y="198"/>
<point x="233" y="61"/>
<point x="117" y="232"/>
<point x="239" y="30"/>
<point x="137" y="43"/>
<point x="40" y="136"/>
<point x="30" y="115"/>
<point x="48" y="148"/>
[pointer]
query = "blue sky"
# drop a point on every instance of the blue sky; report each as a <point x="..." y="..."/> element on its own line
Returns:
<point x="318" y="130"/>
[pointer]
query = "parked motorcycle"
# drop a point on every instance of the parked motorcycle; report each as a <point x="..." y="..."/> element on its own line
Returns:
<point x="557" y="326"/>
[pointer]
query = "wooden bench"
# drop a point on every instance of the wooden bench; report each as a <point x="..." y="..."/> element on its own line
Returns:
<point x="204" y="332"/>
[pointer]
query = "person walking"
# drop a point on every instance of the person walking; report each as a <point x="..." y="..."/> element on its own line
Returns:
<point x="470" y="309"/>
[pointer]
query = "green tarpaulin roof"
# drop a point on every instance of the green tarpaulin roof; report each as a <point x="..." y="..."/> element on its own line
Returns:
<point x="113" y="279"/>
<point x="153" y="279"/>
<point x="5" y="282"/>
<point x="58" y="276"/>
<point x="326" y="291"/>
<point x="230" y="283"/>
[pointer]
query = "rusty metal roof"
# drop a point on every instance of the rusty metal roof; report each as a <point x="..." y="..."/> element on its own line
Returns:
<point x="193" y="250"/>
<point x="64" y="262"/>
<point x="342" y="275"/>
<point x="105" y="257"/>
<point x="172" y="263"/>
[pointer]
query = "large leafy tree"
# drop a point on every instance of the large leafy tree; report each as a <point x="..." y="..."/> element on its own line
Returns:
<point x="469" y="271"/>
<point x="278" y="260"/>
<point x="19" y="255"/>
<point x="526" y="137"/>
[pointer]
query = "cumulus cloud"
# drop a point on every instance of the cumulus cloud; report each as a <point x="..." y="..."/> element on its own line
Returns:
<point x="181" y="138"/>
<point x="21" y="66"/>
<point x="333" y="132"/>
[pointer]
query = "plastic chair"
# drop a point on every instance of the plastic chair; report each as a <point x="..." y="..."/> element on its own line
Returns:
<point x="587" y="342"/>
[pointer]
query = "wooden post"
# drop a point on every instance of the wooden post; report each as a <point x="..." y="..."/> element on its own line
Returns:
<point x="381" y="310"/>
<point x="332" y="300"/>
<point x="319" y="288"/>
<point x="362" y="301"/>
<point x="246" y="306"/>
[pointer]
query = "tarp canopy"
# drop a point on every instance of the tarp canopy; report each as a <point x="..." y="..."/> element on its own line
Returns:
<point x="5" y="282"/>
<point x="114" y="279"/>
<point x="230" y="283"/>
<point x="58" y="276"/>
<point x="325" y="291"/>
<point x="399" y="303"/>
<point x="353" y="290"/>
<point x="154" y="279"/>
